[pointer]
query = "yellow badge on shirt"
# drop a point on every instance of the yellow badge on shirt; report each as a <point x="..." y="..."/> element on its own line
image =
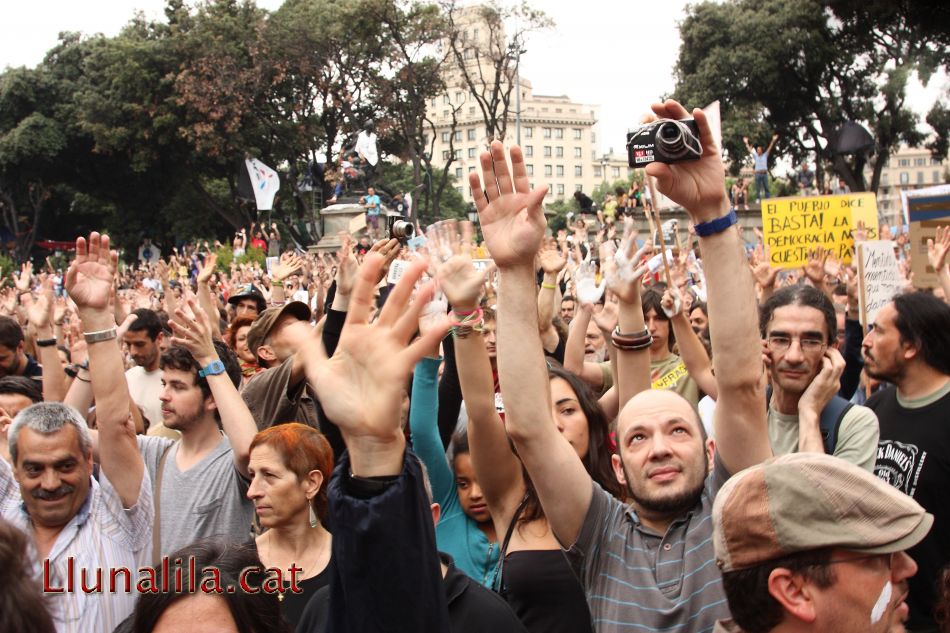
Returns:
<point x="671" y="377"/>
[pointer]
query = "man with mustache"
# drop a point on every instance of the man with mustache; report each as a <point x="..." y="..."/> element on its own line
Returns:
<point x="909" y="346"/>
<point x="82" y="526"/>
<point x="799" y="326"/>
<point x="809" y="542"/>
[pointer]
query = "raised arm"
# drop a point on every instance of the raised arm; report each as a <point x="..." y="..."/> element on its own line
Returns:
<point x="497" y="468"/>
<point x="691" y="348"/>
<point x="89" y="283"/>
<point x="552" y="262"/>
<point x="205" y="298"/>
<point x="41" y="320"/>
<point x="512" y="220"/>
<point x="937" y="255"/>
<point x="772" y="143"/>
<point x="574" y="349"/>
<point x="192" y="330"/>
<point x="740" y="422"/>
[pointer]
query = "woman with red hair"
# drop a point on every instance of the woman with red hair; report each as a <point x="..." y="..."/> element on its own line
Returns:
<point x="290" y="469"/>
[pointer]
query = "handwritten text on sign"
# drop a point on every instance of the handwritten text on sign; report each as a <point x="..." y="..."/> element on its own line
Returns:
<point x="880" y="276"/>
<point x="793" y="227"/>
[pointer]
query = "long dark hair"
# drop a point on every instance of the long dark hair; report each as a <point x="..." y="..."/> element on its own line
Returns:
<point x="597" y="459"/>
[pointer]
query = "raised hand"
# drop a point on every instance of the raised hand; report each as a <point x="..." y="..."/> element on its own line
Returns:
<point x="346" y="267"/>
<point x="814" y="269"/>
<point x="606" y="319"/>
<point x="551" y="260"/>
<point x="511" y="213"/>
<point x="462" y="284"/>
<point x="672" y="302"/>
<point x="588" y="292"/>
<point x="623" y="271"/>
<point x="361" y="386"/>
<point x="89" y="277"/>
<point x="40" y="313"/>
<point x="697" y="184"/>
<point x="207" y="268"/>
<point x="22" y="281"/>
<point x="937" y="249"/>
<point x="289" y="264"/>
<point x="191" y="329"/>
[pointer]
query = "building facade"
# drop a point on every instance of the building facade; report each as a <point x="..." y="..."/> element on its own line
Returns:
<point x="907" y="169"/>
<point x="558" y="136"/>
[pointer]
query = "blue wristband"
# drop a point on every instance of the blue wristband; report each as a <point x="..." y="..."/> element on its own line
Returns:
<point x="705" y="229"/>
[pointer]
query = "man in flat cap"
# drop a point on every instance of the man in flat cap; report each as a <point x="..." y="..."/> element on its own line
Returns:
<point x="809" y="542"/>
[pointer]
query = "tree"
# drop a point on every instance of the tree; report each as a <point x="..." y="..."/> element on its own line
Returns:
<point x="486" y="57"/>
<point x="794" y="68"/>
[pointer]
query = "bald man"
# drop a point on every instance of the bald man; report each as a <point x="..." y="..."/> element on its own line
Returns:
<point x="648" y="565"/>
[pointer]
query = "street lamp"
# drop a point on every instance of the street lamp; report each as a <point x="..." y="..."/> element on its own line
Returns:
<point x="517" y="51"/>
<point x="603" y="166"/>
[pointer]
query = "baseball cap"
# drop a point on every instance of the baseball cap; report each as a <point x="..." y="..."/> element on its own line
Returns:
<point x="249" y="291"/>
<point x="265" y="322"/>
<point x="808" y="501"/>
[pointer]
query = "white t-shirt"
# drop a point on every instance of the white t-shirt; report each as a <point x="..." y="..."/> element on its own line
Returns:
<point x="146" y="388"/>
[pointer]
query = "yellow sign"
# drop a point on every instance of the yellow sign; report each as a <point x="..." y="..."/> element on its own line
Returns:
<point x="794" y="227"/>
<point x="670" y="378"/>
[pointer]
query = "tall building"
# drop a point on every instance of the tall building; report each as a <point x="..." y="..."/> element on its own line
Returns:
<point x="907" y="169"/>
<point x="558" y="136"/>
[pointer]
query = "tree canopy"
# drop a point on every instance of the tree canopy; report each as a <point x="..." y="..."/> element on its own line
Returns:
<point x="804" y="68"/>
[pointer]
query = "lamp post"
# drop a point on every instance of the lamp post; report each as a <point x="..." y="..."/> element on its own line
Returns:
<point x="517" y="51"/>
<point x="472" y="213"/>
<point x="603" y="167"/>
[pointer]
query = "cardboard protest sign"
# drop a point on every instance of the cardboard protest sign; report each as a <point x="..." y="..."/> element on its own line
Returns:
<point x="879" y="277"/>
<point x="926" y="209"/>
<point x="793" y="227"/>
<point x="396" y="270"/>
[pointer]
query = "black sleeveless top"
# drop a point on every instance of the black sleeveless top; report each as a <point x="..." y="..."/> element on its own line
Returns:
<point x="544" y="593"/>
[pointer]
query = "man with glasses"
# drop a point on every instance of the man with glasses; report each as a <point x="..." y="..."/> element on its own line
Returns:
<point x="808" y="542"/>
<point x="799" y="325"/>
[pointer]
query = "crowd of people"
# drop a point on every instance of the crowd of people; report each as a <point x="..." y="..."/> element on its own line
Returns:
<point x="582" y="430"/>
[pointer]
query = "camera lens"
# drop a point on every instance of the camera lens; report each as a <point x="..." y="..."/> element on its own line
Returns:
<point x="403" y="230"/>
<point x="669" y="139"/>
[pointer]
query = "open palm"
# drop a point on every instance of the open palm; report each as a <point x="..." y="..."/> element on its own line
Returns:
<point x="511" y="213"/>
<point x="361" y="386"/>
<point x="462" y="284"/>
<point x="90" y="275"/>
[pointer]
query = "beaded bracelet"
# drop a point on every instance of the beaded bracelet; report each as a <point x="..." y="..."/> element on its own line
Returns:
<point x="468" y="323"/>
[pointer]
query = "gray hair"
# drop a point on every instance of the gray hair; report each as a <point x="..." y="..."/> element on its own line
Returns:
<point x="47" y="418"/>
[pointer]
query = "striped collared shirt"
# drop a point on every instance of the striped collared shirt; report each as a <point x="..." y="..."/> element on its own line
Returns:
<point x="101" y="538"/>
<point x="640" y="581"/>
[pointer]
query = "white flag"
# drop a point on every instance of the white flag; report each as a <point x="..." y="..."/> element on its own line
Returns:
<point x="264" y="182"/>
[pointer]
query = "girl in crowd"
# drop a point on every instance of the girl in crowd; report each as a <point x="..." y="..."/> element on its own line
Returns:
<point x="465" y="530"/>
<point x="534" y="576"/>
<point x="290" y="468"/>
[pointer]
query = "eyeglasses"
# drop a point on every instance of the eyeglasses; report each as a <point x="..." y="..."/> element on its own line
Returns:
<point x="781" y="343"/>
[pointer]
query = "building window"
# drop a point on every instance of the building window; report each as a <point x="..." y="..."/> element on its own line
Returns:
<point x="528" y="132"/>
<point x="475" y="34"/>
<point x="458" y="135"/>
<point x="548" y="170"/>
<point x="920" y="177"/>
<point x="920" y="161"/>
<point x="905" y="178"/>
<point x="471" y="152"/>
<point x="458" y="97"/>
<point x="458" y="172"/>
<point x="445" y="99"/>
<point x="616" y="172"/>
<point x="435" y="102"/>
<point x="560" y="170"/>
<point x="529" y="150"/>
<point x="445" y="155"/>
<point x="547" y="150"/>
<point x="530" y="169"/>
<point x="445" y="137"/>
<point x="904" y="162"/>
<point x="578" y="187"/>
<point x="457" y="155"/>
<point x="884" y="178"/>
<point x="550" y="189"/>
<point x="546" y="132"/>
<point x="560" y="190"/>
<point x="578" y="133"/>
<point x="578" y="152"/>
<point x="936" y="177"/>
<point x="597" y="171"/>
<point x="471" y="110"/>
<point x="578" y="171"/>
<point x="471" y="168"/>
<point x="558" y="132"/>
<point x="559" y="151"/>
<point x="471" y="135"/>
<point x="461" y="191"/>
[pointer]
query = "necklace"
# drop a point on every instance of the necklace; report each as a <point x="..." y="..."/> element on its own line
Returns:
<point x="280" y="589"/>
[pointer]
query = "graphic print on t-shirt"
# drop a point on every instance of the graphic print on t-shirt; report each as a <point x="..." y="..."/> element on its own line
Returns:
<point x="899" y="464"/>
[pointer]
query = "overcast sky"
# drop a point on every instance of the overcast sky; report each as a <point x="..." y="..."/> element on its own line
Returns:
<point x="616" y="55"/>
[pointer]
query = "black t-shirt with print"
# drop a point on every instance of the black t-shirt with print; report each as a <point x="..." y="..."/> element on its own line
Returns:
<point x="914" y="456"/>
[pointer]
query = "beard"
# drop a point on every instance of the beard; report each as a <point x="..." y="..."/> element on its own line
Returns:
<point x="675" y="504"/>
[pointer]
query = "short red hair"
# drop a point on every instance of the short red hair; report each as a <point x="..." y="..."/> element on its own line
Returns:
<point x="302" y="448"/>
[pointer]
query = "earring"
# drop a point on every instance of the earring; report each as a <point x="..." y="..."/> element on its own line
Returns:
<point x="313" y="515"/>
